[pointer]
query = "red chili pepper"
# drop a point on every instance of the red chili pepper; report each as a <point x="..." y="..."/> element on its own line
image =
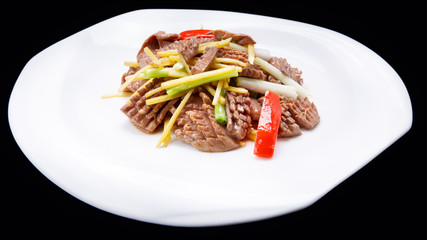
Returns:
<point x="268" y="125"/>
<point x="199" y="33"/>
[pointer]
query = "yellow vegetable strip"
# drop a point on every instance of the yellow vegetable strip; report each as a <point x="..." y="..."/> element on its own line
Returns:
<point x="217" y="92"/>
<point x="220" y="65"/>
<point x="251" y="53"/>
<point x="133" y="77"/>
<point x="212" y="91"/>
<point x="168" y="53"/>
<point x="122" y="94"/>
<point x="186" y="67"/>
<point x="195" y="77"/>
<point x="165" y="61"/>
<point x="131" y="64"/>
<point x="218" y="44"/>
<point x="236" y="89"/>
<point x="168" y="127"/>
<point x="137" y="91"/>
<point x="226" y="83"/>
<point x="231" y="60"/>
<point x="168" y="134"/>
<point x="153" y="91"/>
<point x="177" y="73"/>
<point x="238" y="47"/>
<point x="252" y="134"/>
<point x="151" y="55"/>
<point x="162" y="98"/>
<point x="174" y="58"/>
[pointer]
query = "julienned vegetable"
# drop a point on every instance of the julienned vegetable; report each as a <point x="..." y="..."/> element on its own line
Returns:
<point x="163" y="72"/>
<point x="259" y="52"/>
<point x="182" y="84"/>
<point x="164" y="139"/>
<point x="261" y="86"/>
<point x="268" y="125"/>
<point x="302" y="92"/>
<point x="156" y="73"/>
<point x="220" y="113"/>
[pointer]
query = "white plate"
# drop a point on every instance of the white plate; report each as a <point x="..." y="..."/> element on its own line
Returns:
<point x="86" y="146"/>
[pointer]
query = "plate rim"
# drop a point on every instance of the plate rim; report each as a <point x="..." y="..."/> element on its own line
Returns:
<point x="26" y="152"/>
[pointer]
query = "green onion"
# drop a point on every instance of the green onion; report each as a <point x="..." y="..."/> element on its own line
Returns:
<point x="220" y="113"/>
<point x="260" y="86"/>
<point x="302" y="92"/>
<point x="157" y="73"/>
<point x="198" y="81"/>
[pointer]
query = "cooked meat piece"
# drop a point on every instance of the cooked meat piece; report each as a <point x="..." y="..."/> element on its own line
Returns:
<point x="155" y="41"/>
<point x="227" y="52"/>
<point x="188" y="48"/>
<point x="253" y="71"/>
<point x="164" y="39"/>
<point x="197" y="126"/>
<point x="288" y="126"/>
<point x="131" y="71"/>
<point x="304" y="112"/>
<point x="238" y="38"/>
<point x="146" y="117"/>
<point x="158" y="40"/>
<point x="135" y="85"/>
<point x="283" y="65"/>
<point x="161" y="41"/>
<point x="255" y="109"/>
<point x="205" y="60"/>
<point x="238" y="114"/>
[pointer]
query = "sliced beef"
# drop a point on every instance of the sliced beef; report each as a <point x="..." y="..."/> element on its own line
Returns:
<point x="133" y="86"/>
<point x="253" y="71"/>
<point x="130" y="71"/>
<point x="156" y="41"/>
<point x="147" y="117"/>
<point x="238" y="114"/>
<point x="188" y="48"/>
<point x="288" y="126"/>
<point x="197" y="126"/>
<point x="304" y="112"/>
<point x="238" y="38"/>
<point x="227" y="52"/>
<point x="164" y="39"/>
<point x="255" y="109"/>
<point x="283" y="65"/>
<point x="205" y="61"/>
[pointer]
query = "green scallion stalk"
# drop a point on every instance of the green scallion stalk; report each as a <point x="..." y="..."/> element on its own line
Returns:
<point x="157" y="73"/>
<point x="200" y="81"/>
<point x="220" y="114"/>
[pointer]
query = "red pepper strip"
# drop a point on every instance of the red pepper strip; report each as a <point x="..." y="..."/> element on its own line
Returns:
<point x="196" y="32"/>
<point x="268" y="125"/>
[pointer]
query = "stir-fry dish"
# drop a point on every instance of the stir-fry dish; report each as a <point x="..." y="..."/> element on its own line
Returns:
<point x="215" y="90"/>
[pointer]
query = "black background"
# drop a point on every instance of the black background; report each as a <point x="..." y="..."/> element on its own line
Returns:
<point x="382" y="199"/>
